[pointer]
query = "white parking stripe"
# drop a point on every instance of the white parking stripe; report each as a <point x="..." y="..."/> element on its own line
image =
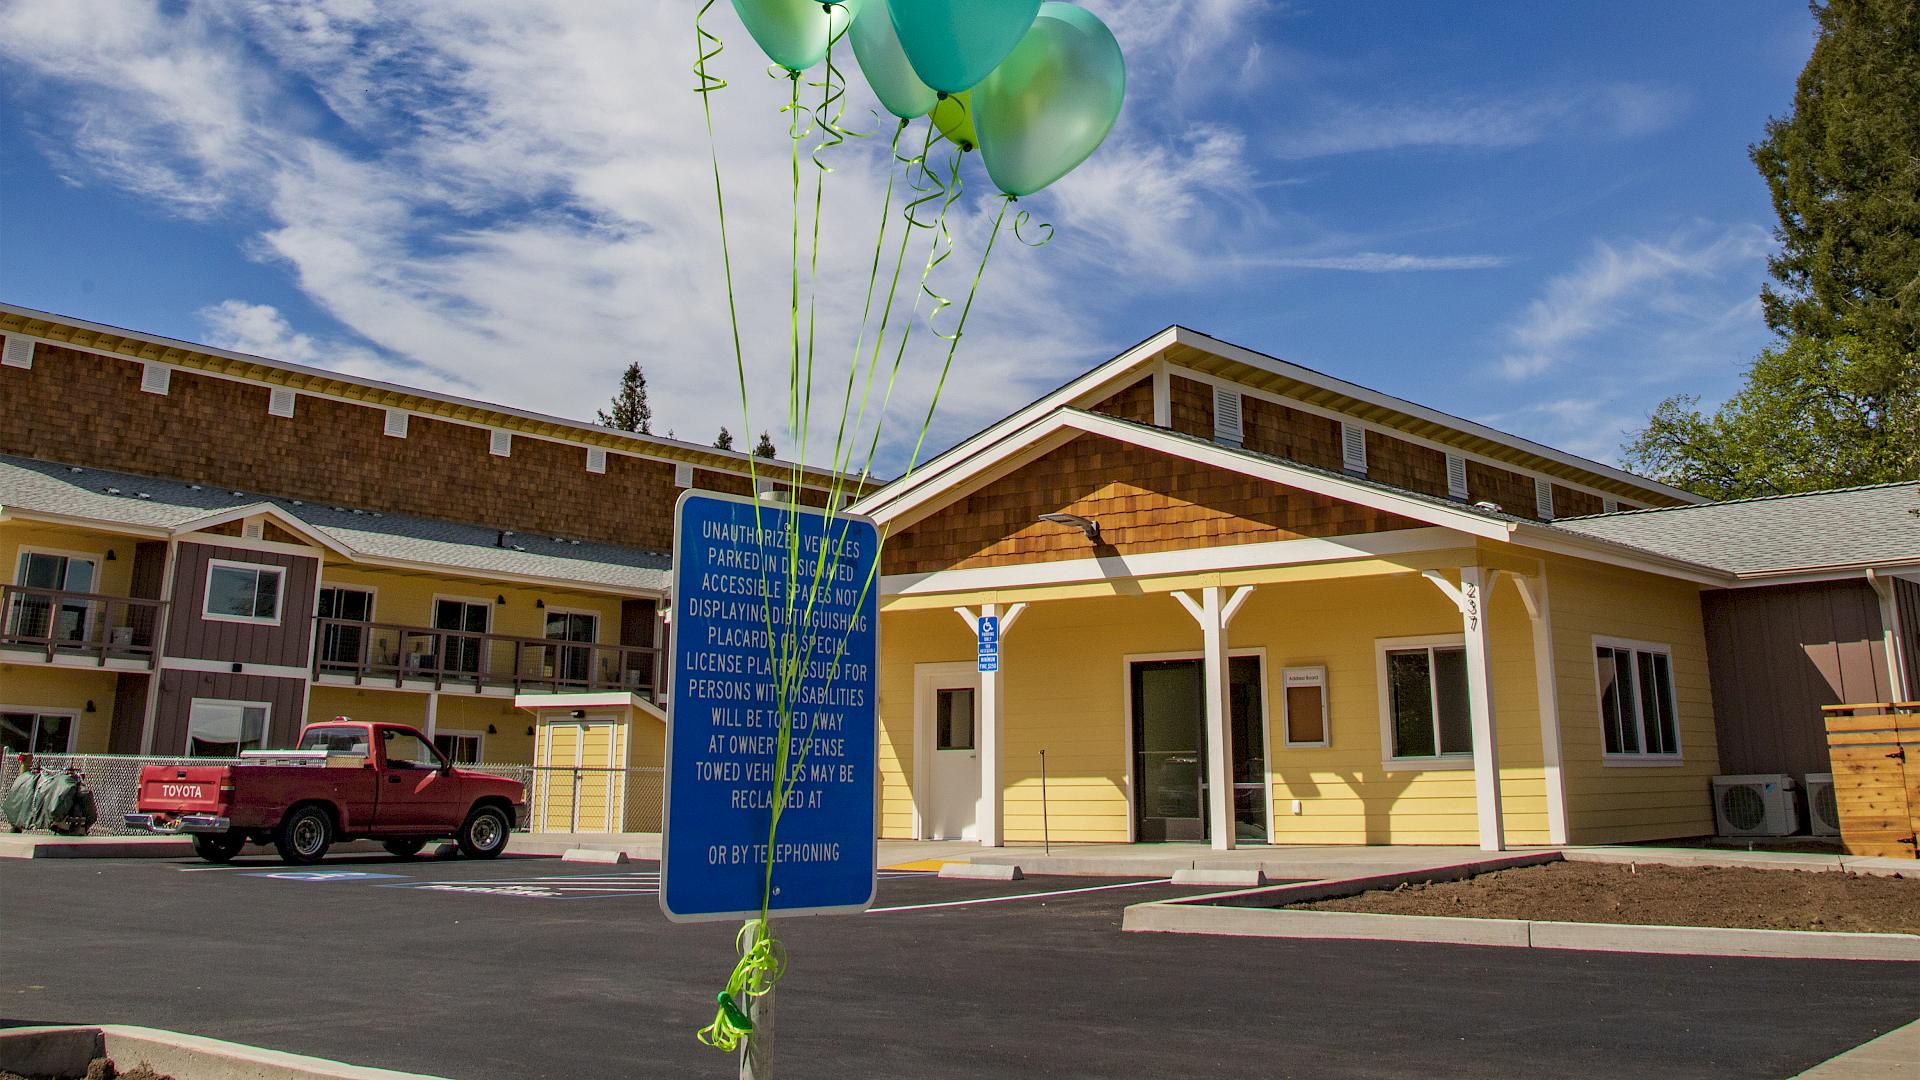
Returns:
<point x="1017" y="896"/>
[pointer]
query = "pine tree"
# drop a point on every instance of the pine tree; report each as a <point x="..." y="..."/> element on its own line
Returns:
<point x="1837" y="400"/>
<point x="630" y="409"/>
<point x="764" y="448"/>
<point x="724" y="440"/>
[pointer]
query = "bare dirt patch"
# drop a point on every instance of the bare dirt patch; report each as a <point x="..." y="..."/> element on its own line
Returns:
<point x="1660" y="896"/>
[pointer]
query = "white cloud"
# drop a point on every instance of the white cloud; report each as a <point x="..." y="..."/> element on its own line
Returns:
<point x="1382" y="262"/>
<point x="1478" y="121"/>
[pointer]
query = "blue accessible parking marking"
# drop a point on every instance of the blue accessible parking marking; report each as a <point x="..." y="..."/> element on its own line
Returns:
<point x="320" y="875"/>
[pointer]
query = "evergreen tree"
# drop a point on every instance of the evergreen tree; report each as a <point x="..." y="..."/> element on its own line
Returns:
<point x="764" y="448"/>
<point x="724" y="440"/>
<point x="630" y="409"/>
<point x="1837" y="400"/>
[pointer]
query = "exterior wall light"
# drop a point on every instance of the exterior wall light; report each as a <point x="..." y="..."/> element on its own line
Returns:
<point x="1084" y="524"/>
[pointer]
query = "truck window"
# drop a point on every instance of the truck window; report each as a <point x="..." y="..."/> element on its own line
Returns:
<point x="335" y="740"/>
<point x="405" y="750"/>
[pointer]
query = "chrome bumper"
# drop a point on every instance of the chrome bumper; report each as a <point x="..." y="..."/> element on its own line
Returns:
<point x="186" y="823"/>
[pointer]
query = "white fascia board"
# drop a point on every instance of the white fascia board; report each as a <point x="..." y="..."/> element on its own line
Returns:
<point x="506" y="577"/>
<point x="958" y="454"/>
<point x="1838" y="572"/>
<point x="152" y="532"/>
<point x="320" y="537"/>
<point x="1239" y="354"/>
<point x="617" y="699"/>
<point x="1561" y="542"/>
<point x="1163" y="563"/>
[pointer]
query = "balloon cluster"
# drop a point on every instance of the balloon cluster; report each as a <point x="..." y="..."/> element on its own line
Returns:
<point x="1034" y="86"/>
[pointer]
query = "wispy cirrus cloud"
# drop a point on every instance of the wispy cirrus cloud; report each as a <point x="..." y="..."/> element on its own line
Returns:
<point x="1477" y="121"/>
<point x="1382" y="262"/>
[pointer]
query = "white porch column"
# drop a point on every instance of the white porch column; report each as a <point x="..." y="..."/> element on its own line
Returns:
<point x="989" y="812"/>
<point x="1214" y="618"/>
<point x="1533" y="593"/>
<point x="1892" y="637"/>
<point x="1470" y="597"/>
<point x="433" y="714"/>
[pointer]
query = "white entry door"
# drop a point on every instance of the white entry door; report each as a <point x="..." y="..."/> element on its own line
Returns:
<point x="947" y="707"/>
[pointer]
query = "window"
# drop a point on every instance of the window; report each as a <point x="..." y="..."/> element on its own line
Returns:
<point x="335" y="740"/>
<point x="953" y="719"/>
<point x="36" y="733"/>
<point x="460" y="747"/>
<point x="465" y="646"/>
<point x="243" y="592"/>
<point x="45" y="617"/>
<point x="1638" y="719"/>
<point x="224" y="728"/>
<point x="574" y="664"/>
<point x="341" y="643"/>
<point x="1424" y="696"/>
<point x="405" y="750"/>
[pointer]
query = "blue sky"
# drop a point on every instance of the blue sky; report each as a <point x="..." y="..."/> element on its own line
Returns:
<point x="1537" y="216"/>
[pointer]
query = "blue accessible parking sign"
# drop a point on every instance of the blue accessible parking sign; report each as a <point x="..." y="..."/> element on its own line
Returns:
<point x="740" y="618"/>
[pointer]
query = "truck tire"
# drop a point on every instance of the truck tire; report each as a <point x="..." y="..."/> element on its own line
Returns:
<point x="485" y="833"/>
<point x="304" y="835"/>
<point x="403" y="849"/>
<point x="218" y="847"/>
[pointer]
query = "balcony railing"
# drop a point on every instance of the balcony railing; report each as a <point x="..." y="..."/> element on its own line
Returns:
<point x="370" y="651"/>
<point x="56" y="622"/>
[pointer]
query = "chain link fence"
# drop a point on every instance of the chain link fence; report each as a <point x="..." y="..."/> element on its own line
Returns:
<point x="581" y="798"/>
<point x="115" y="780"/>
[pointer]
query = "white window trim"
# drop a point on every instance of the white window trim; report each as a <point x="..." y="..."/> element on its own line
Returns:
<point x="1381" y="647"/>
<point x="38" y="711"/>
<point x="266" y="725"/>
<point x="1642" y="760"/>
<point x="279" y="593"/>
<point x="93" y="558"/>
<point x="1326" y="709"/>
<point x="479" y="738"/>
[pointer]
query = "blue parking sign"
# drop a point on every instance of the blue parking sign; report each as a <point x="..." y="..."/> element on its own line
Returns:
<point x="989" y="636"/>
<point x="733" y="622"/>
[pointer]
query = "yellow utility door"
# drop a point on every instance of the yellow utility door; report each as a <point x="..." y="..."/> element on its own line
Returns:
<point x="580" y="776"/>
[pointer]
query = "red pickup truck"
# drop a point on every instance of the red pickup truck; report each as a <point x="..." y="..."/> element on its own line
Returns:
<point x="345" y="781"/>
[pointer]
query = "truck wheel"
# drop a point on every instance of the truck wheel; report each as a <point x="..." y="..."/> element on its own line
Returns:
<point x="485" y="833"/>
<point x="404" y="849"/>
<point x="304" y="835"/>
<point x="218" y="847"/>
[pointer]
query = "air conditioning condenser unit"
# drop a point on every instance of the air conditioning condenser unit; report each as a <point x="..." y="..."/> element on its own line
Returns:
<point x="1823" y="809"/>
<point x="1759" y="804"/>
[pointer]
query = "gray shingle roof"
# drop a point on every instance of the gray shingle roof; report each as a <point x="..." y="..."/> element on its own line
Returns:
<point x="104" y="495"/>
<point x="1847" y="527"/>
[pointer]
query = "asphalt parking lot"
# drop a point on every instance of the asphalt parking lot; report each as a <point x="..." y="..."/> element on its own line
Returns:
<point x="537" y="968"/>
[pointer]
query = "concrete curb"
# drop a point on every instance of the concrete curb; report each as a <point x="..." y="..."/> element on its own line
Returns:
<point x="589" y="855"/>
<point x="982" y="871"/>
<point x="44" y="1050"/>
<point x="1757" y="860"/>
<point x="1222" y="876"/>
<point x="1893" y="1056"/>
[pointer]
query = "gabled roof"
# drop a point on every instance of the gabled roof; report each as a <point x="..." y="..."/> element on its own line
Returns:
<point x="49" y="491"/>
<point x="1065" y="424"/>
<point x="1845" y="529"/>
<point x="1190" y="347"/>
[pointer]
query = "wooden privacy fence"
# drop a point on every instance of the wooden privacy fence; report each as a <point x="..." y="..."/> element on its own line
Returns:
<point x="1875" y="749"/>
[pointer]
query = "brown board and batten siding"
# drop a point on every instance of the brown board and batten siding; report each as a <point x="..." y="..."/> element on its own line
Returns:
<point x="179" y="690"/>
<point x="129" y="712"/>
<point x="1780" y="653"/>
<point x="1906" y="600"/>
<point x="191" y="635"/>
<point x="1145" y="501"/>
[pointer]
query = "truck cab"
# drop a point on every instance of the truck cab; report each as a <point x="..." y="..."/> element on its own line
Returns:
<point x="344" y="780"/>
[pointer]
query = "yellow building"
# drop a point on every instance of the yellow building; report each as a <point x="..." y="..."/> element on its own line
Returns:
<point x="1240" y="601"/>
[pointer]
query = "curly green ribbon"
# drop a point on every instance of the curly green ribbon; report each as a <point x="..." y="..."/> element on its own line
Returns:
<point x="763" y="961"/>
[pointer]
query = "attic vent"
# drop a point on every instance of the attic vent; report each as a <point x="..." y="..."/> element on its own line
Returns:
<point x="156" y="378"/>
<point x="1457" y="477"/>
<point x="253" y="530"/>
<point x="1542" y="499"/>
<point x="280" y="402"/>
<point x="500" y="443"/>
<point x="1227" y="427"/>
<point x="1610" y="505"/>
<point x="596" y="459"/>
<point x="683" y="476"/>
<point x="19" y="352"/>
<point x="1353" y="448"/>
<point x="396" y="424"/>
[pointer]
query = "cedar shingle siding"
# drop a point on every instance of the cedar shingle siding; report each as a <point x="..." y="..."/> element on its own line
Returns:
<point x="1143" y="500"/>
<point x="1190" y="407"/>
<point x="1570" y="503"/>
<point x="1134" y="403"/>
<point x="1272" y="428"/>
<point x="1406" y="465"/>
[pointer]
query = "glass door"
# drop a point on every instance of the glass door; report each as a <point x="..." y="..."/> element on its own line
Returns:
<point x="341" y="646"/>
<point x="62" y="619"/>
<point x="1170" y="749"/>
<point x="574" y="665"/>
<point x="466" y="618"/>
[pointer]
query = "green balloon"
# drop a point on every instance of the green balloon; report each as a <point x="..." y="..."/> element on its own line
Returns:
<point x="952" y="44"/>
<point x="877" y="48"/>
<point x="1051" y="102"/>
<point x="954" y="117"/>
<point x="795" y="33"/>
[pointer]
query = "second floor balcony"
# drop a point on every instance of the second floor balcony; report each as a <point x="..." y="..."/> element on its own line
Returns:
<point x="357" y="652"/>
<point x="59" y="626"/>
